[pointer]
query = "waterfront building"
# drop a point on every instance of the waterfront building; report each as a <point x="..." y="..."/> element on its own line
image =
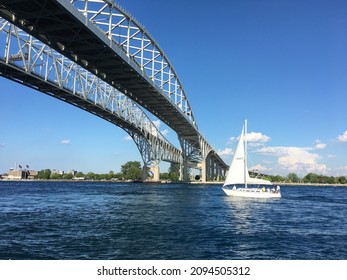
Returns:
<point x="21" y="174"/>
<point x="55" y="171"/>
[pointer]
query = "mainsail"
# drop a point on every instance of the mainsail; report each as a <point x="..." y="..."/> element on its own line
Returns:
<point x="236" y="173"/>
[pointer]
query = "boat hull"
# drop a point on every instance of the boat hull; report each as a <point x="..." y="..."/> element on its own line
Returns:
<point x="251" y="192"/>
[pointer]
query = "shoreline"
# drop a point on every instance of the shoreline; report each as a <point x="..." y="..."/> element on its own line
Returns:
<point x="287" y="184"/>
<point x="170" y="182"/>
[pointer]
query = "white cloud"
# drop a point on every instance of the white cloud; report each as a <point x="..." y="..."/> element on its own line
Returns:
<point x="257" y="137"/>
<point x="319" y="145"/>
<point x="225" y="152"/>
<point x="260" y="168"/>
<point x="253" y="138"/>
<point x="295" y="159"/>
<point x="343" y="137"/>
<point x="154" y="130"/>
<point x="339" y="171"/>
<point x="127" y="138"/>
<point x="300" y="160"/>
<point x="164" y="132"/>
<point x="231" y="140"/>
<point x="331" y="156"/>
<point x="66" y="142"/>
<point x="157" y="123"/>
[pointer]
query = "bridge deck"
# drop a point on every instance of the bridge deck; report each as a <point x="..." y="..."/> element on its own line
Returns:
<point x="66" y="30"/>
<point x="37" y="83"/>
<point x="60" y="26"/>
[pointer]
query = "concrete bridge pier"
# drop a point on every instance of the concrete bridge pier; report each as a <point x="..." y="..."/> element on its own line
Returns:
<point x="151" y="173"/>
<point x="184" y="171"/>
<point x="211" y="170"/>
<point x="203" y="171"/>
<point x="208" y="170"/>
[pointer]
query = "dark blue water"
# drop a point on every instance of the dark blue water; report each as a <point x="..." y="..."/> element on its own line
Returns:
<point x="60" y="220"/>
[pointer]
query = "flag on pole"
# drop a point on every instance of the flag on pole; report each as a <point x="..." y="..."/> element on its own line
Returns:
<point x="20" y="166"/>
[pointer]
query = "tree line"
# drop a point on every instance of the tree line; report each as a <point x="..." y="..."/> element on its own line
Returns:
<point x="131" y="170"/>
<point x="310" y="178"/>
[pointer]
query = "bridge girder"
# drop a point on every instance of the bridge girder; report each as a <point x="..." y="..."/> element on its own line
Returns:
<point x="91" y="33"/>
<point x="116" y="49"/>
<point x="32" y="63"/>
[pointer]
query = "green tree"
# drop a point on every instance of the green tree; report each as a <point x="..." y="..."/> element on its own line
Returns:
<point x="276" y="178"/>
<point x="56" y="176"/>
<point x="174" y="172"/>
<point x="342" y="180"/>
<point x="331" y="180"/>
<point x="79" y="174"/>
<point x="44" y="174"/>
<point x="164" y="176"/>
<point x="132" y="170"/>
<point x="67" y="176"/>
<point x="110" y="175"/>
<point x="174" y="167"/>
<point x="310" y="178"/>
<point x="292" y="177"/>
<point x="174" y="176"/>
<point x="90" y="176"/>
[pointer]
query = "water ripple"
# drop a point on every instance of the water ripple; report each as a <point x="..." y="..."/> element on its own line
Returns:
<point x="58" y="220"/>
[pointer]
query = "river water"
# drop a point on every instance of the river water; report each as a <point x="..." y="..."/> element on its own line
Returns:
<point x="100" y="220"/>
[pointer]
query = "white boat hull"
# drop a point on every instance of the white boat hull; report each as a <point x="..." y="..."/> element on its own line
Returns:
<point x="251" y="192"/>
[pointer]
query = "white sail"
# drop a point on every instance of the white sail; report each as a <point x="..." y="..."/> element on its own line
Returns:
<point x="238" y="171"/>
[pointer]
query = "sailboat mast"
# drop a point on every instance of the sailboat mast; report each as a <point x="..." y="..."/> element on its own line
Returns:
<point x="245" y="154"/>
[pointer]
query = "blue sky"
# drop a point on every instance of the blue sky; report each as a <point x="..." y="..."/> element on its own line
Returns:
<point x="280" y="64"/>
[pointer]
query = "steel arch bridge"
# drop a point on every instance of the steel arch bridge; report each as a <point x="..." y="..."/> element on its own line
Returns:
<point x="116" y="51"/>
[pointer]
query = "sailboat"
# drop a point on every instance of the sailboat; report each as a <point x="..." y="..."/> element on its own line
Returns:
<point x="239" y="183"/>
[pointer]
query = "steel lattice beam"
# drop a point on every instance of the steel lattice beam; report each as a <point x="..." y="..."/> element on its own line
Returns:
<point x="107" y="41"/>
<point x="76" y="30"/>
<point x="28" y="61"/>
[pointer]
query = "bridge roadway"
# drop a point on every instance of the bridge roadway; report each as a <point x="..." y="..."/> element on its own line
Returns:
<point x="61" y="26"/>
<point x="69" y="33"/>
<point x="31" y="63"/>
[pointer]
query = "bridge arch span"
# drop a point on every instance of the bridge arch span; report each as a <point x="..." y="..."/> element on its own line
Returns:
<point x="104" y="39"/>
<point x="34" y="64"/>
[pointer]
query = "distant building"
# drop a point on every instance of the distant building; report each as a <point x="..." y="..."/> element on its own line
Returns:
<point x="17" y="175"/>
<point x="60" y="172"/>
<point x="73" y="172"/>
<point x="32" y="174"/>
<point x="21" y="174"/>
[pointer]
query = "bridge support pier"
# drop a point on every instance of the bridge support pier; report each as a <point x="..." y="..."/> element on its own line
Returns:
<point x="207" y="170"/>
<point x="203" y="171"/>
<point x="184" y="171"/>
<point x="211" y="170"/>
<point x="154" y="171"/>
